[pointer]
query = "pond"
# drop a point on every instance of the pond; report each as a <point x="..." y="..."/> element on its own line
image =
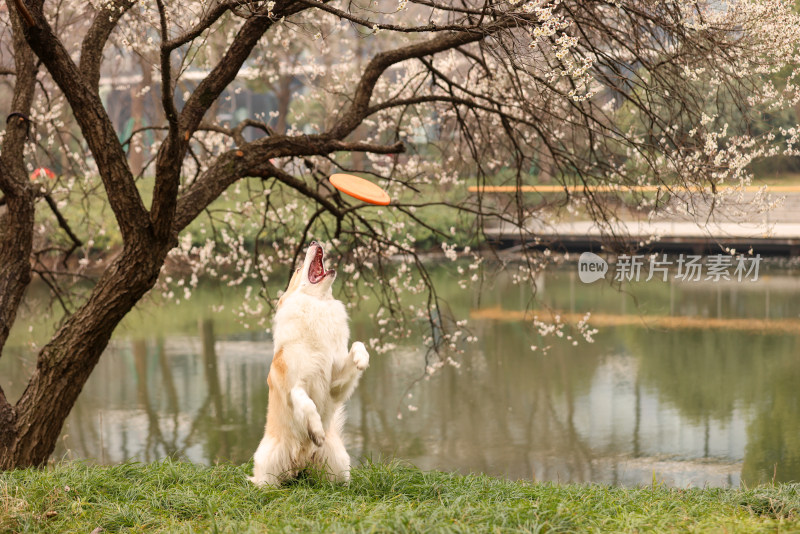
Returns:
<point x="686" y="383"/>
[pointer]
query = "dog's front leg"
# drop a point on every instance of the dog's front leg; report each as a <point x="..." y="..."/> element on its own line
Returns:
<point x="306" y="414"/>
<point x="345" y="379"/>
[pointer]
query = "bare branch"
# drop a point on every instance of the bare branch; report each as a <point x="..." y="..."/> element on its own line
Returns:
<point x="422" y="99"/>
<point x="237" y="132"/>
<point x="172" y="149"/>
<point x="54" y="289"/>
<point x="62" y="222"/>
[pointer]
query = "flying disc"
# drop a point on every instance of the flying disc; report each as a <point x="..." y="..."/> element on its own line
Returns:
<point x="360" y="188"/>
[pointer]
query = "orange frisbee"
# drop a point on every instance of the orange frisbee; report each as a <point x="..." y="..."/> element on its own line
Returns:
<point x="360" y="188"/>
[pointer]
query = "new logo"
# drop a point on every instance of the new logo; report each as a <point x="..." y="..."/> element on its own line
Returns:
<point x="591" y="267"/>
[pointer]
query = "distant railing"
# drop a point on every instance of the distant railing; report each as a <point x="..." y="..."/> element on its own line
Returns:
<point x="623" y="189"/>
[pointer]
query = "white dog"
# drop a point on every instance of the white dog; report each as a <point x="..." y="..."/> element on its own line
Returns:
<point x="311" y="376"/>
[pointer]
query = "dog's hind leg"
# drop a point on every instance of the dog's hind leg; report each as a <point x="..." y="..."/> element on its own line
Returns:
<point x="332" y="457"/>
<point x="271" y="463"/>
<point x="306" y="414"/>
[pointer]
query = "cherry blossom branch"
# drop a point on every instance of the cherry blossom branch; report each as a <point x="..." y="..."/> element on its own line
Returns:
<point x="205" y="23"/>
<point x="428" y="28"/>
<point x="357" y="110"/>
<point x="444" y="7"/>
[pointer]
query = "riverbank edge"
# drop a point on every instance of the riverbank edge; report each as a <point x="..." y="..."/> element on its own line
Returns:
<point x="171" y="496"/>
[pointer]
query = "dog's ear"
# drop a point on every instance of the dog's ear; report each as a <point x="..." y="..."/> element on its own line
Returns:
<point x="294" y="283"/>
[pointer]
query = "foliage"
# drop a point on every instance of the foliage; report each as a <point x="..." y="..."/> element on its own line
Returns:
<point x="171" y="497"/>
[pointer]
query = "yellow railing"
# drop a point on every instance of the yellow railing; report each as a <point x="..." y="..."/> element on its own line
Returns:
<point x="620" y="189"/>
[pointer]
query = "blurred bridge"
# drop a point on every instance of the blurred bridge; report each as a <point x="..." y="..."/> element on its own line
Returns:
<point x="735" y="224"/>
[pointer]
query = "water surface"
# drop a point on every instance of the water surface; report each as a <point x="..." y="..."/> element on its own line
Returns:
<point x="687" y="383"/>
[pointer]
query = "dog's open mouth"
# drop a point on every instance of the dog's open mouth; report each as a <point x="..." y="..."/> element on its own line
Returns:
<point x="316" y="271"/>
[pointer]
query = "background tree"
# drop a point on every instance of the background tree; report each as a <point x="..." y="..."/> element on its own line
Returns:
<point x="435" y="95"/>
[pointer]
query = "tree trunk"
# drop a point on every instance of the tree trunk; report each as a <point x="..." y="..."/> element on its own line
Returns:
<point x="15" y="244"/>
<point x="64" y="365"/>
<point x="16" y="224"/>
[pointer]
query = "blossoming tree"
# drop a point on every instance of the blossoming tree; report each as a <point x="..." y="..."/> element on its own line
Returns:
<point x="429" y="96"/>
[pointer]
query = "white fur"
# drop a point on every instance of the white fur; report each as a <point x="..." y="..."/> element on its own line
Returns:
<point x="311" y="376"/>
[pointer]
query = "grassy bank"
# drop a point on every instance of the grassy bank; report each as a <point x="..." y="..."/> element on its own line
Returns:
<point x="171" y="496"/>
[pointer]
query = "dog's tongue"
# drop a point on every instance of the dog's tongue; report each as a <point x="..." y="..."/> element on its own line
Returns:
<point x="316" y="270"/>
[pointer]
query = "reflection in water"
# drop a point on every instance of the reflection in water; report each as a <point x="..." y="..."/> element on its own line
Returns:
<point x="693" y="406"/>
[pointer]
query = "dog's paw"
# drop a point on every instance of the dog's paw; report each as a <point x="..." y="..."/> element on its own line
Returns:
<point x="269" y="481"/>
<point x="317" y="434"/>
<point x="360" y="355"/>
<point x="256" y="481"/>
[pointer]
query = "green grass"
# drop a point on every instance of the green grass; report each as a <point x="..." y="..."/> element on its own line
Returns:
<point x="171" y="496"/>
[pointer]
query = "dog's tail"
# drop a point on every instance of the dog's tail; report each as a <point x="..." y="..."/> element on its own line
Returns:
<point x="339" y="417"/>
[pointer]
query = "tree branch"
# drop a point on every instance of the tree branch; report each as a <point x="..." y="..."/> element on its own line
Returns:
<point x="207" y="21"/>
<point x="96" y="127"/>
<point x="172" y="150"/>
<point x="250" y="160"/>
<point x="167" y="91"/>
<point x="237" y="132"/>
<point x="24" y="14"/>
<point x="62" y="222"/>
<point x="165" y="194"/>
<point x="93" y="43"/>
<point x="253" y="160"/>
<point x="444" y="7"/>
<point x="335" y="146"/>
<point x="428" y="28"/>
<point x="224" y="72"/>
<point x="353" y="116"/>
<point x="13" y="176"/>
<point x="54" y="289"/>
<point x="422" y="99"/>
<point x="267" y="170"/>
<point x="16" y="230"/>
